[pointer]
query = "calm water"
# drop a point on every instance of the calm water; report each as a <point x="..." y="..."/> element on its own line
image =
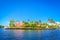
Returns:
<point x="29" y="34"/>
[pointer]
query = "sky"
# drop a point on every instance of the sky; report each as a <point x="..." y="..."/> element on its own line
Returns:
<point x="29" y="9"/>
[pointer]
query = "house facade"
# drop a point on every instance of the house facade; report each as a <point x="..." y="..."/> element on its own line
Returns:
<point x="19" y="24"/>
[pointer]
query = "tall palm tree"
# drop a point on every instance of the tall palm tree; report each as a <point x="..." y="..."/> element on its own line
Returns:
<point x="51" y="20"/>
<point x="1" y="26"/>
<point x="17" y="21"/>
<point x="12" y="23"/>
<point x="28" y="20"/>
<point x="26" y="24"/>
<point x="32" y="24"/>
<point x="40" y="21"/>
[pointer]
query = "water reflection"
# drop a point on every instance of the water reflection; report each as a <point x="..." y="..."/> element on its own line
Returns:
<point x="29" y="34"/>
<point x="19" y="33"/>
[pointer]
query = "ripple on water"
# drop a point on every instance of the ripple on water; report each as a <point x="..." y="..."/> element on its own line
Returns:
<point x="29" y="34"/>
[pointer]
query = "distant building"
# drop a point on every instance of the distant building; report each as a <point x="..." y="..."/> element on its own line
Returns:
<point x="39" y="24"/>
<point x="58" y="24"/>
<point x="19" y="24"/>
<point x="51" y="23"/>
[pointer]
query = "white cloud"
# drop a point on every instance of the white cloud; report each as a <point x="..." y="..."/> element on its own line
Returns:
<point x="58" y="22"/>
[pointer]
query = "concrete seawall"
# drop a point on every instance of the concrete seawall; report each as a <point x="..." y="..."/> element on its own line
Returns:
<point x="28" y="29"/>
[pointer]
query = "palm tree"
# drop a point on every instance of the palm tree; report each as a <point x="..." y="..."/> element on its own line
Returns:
<point x="12" y="23"/>
<point x="1" y="26"/>
<point x="32" y="24"/>
<point x="40" y="21"/>
<point x="17" y="21"/>
<point x="51" y="20"/>
<point x="44" y="25"/>
<point x="28" y="20"/>
<point x="26" y="24"/>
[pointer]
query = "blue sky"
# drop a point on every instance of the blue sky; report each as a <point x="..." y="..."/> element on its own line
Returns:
<point x="29" y="9"/>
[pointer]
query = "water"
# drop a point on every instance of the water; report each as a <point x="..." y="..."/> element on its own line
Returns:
<point x="29" y="34"/>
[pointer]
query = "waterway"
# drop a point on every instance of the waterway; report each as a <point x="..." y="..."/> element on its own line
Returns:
<point x="29" y="34"/>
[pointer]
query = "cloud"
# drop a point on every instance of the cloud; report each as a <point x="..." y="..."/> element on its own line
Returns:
<point x="58" y="22"/>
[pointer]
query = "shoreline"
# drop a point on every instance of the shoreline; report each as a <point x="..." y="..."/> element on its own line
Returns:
<point x="29" y="29"/>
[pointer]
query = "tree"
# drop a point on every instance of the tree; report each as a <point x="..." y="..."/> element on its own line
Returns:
<point x="1" y="26"/>
<point x="54" y="23"/>
<point x="28" y="20"/>
<point x="32" y="24"/>
<point x="44" y="25"/>
<point x="26" y="24"/>
<point x="51" y="20"/>
<point x="17" y="21"/>
<point x="40" y="21"/>
<point x="12" y="23"/>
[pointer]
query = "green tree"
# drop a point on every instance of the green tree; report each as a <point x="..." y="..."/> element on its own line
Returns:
<point x="51" y="20"/>
<point x="1" y="26"/>
<point x="40" y="21"/>
<point x="26" y="24"/>
<point x="44" y="25"/>
<point x="32" y="24"/>
<point x="12" y="23"/>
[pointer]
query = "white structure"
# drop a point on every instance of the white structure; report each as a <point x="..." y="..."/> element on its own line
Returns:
<point x="58" y="23"/>
<point x="51" y="23"/>
<point x="47" y="27"/>
<point x="5" y="26"/>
